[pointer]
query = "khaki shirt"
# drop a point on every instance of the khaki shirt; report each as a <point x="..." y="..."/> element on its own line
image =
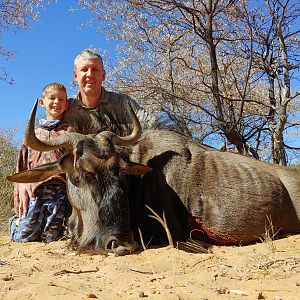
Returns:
<point x="112" y="114"/>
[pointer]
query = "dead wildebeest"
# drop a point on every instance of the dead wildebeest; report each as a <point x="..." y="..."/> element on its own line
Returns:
<point x="97" y="185"/>
<point x="219" y="197"/>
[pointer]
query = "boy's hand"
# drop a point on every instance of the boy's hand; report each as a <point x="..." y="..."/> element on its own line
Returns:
<point x="25" y="192"/>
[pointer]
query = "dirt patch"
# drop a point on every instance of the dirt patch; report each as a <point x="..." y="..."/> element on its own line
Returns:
<point x="50" y="271"/>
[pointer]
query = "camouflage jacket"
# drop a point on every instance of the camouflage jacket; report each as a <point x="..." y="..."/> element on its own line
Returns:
<point x="112" y="114"/>
<point x="29" y="158"/>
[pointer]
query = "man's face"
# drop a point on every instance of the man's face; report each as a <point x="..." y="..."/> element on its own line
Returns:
<point x="89" y="75"/>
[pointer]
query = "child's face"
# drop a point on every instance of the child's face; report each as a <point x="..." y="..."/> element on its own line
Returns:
<point x="55" y="102"/>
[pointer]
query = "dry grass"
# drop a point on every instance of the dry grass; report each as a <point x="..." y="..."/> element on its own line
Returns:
<point x="269" y="235"/>
<point x="6" y="196"/>
<point x="267" y="257"/>
<point x="163" y="222"/>
<point x="7" y="166"/>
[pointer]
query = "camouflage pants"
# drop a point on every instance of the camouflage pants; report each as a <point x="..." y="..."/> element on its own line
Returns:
<point x="46" y="217"/>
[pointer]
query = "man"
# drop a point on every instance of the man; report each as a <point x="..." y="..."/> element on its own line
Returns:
<point x="94" y="109"/>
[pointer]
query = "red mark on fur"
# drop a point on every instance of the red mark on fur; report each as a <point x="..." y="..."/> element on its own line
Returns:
<point x="199" y="231"/>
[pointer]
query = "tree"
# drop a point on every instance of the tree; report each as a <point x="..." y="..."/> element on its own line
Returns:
<point x="15" y="15"/>
<point x="275" y="54"/>
<point x="194" y="60"/>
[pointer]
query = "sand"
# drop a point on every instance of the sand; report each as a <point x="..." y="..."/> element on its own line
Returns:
<point x="268" y="270"/>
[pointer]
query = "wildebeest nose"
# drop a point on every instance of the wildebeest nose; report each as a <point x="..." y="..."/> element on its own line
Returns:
<point x="118" y="247"/>
<point x="112" y="244"/>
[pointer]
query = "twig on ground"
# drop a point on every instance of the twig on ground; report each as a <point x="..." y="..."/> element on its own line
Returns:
<point x="74" y="272"/>
<point x="140" y="271"/>
<point x="193" y="246"/>
<point x="286" y="261"/>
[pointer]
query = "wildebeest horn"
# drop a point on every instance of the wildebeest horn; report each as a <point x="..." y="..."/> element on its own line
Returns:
<point x="67" y="140"/>
<point x="129" y="139"/>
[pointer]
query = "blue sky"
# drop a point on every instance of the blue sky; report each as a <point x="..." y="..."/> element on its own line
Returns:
<point x="45" y="54"/>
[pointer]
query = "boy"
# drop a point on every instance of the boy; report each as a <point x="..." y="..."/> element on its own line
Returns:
<point x="48" y="210"/>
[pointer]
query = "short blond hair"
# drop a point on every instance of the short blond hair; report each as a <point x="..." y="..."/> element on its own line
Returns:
<point x="53" y="85"/>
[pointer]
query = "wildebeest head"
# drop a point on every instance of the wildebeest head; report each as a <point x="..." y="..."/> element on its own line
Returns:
<point x="96" y="170"/>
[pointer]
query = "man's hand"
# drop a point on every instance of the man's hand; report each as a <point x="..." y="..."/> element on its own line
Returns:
<point x="25" y="192"/>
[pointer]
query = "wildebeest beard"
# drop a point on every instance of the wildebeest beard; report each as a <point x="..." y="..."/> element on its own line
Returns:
<point x="113" y="205"/>
<point x="110" y="210"/>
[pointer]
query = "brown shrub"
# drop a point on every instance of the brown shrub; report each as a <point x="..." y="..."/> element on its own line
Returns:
<point x="7" y="166"/>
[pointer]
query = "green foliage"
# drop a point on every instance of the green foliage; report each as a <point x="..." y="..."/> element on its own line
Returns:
<point x="7" y="166"/>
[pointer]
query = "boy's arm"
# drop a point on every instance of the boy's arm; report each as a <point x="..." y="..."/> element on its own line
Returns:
<point x="22" y="191"/>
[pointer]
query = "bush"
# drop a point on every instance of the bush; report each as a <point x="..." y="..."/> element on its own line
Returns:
<point x="8" y="154"/>
<point x="295" y="166"/>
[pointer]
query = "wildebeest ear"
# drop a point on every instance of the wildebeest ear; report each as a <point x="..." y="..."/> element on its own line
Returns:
<point x="43" y="172"/>
<point x="131" y="168"/>
<point x="36" y="174"/>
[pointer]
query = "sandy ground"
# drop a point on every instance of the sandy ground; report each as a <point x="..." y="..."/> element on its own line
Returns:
<point x="49" y="271"/>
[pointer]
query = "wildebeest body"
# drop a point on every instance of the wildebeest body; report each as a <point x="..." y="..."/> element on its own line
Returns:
<point x="220" y="197"/>
<point x="230" y="198"/>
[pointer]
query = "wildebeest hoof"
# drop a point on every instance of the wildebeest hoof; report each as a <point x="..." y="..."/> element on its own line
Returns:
<point x="120" y="249"/>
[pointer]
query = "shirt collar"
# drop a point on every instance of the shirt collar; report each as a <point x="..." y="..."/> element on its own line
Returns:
<point x="103" y="98"/>
<point x="49" y="124"/>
